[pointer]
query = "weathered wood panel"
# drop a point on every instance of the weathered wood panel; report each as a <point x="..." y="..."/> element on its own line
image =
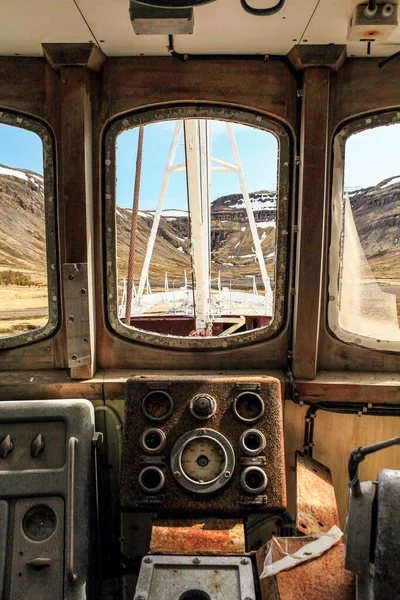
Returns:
<point x="313" y="159"/>
<point x="22" y="84"/>
<point x="339" y="386"/>
<point x="129" y="83"/>
<point x="361" y="86"/>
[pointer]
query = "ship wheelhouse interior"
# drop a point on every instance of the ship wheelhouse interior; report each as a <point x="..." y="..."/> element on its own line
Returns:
<point x="199" y="296"/>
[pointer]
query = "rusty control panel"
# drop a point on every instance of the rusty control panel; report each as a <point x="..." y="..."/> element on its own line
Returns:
<point x="202" y="444"/>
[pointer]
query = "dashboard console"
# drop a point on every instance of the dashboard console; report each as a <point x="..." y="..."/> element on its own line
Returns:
<point x="203" y="444"/>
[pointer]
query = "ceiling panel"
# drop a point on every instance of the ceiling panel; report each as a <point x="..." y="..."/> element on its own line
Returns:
<point x="220" y="27"/>
<point x="330" y="23"/>
<point x="27" y="23"/>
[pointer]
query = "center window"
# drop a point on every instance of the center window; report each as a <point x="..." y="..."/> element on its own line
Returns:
<point x="193" y="206"/>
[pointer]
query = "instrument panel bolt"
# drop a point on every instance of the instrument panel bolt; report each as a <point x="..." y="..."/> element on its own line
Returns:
<point x="227" y="474"/>
<point x="177" y="474"/>
<point x="147" y="559"/>
<point x="196" y="561"/>
<point x="244" y="561"/>
<point x="202" y="431"/>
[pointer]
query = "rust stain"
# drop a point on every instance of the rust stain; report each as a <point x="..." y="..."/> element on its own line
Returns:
<point x="317" y="510"/>
<point x="371" y="33"/>
<point x="188" y="537"/>
<point x="319" y="579"/>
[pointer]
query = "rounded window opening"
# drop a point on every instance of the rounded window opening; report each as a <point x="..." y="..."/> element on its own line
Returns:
<point x="364" y="288"/>
<point x="195" y="199"/>
<point x="28" y="273"/>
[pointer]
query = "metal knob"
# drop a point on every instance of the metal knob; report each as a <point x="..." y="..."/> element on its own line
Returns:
<point x="203" y="406"/>
<point x="6" y="447"/>
<point x="37" y="446"/>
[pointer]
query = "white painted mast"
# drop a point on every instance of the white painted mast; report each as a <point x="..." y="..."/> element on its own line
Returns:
<point x="250" y="216"/>
<point x="156" y="221"/>
<point x="198" y="159"/>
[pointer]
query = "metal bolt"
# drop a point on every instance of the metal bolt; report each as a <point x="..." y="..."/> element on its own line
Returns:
<point x="147" y="559"/>
<point x="71" y="319"/>
<point x="74" y="357"/>
<point x="247" y="598"/>
<point x="85" y="340"/>
<point x="177" y="474"/>
<point x="83" y="291"/>
<point x="244" y="561"/>
<point x="202" y="431"/>
<point x="70" y="277"/>
<point x="227" y="474"/>
<point x="196" y="561"/>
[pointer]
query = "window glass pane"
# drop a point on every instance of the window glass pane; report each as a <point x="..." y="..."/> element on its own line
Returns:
<point x="203" y="248"/>
<point x="23" y="265"/>
<point x="369" y="268"/>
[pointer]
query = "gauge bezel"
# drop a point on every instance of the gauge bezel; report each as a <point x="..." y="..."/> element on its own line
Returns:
<point x="196" y="486"/>
<point x="243" y="419"/>
<point x="144" y="487"/>
<point x="145" y="447"/>
<point x="158" y="419"/>
<point x="246" y="487"/>
<point x="251" y="451"/>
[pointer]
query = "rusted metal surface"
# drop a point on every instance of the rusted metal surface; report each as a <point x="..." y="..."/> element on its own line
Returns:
<point x="324" y="578"/>
<point x="317" y="510"/>
<point x="188" y="537"/>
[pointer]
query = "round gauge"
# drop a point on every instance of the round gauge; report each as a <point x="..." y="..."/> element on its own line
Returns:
<point x="252" y="442"/>
<point x="153" y="440"/>
<point x="202" y="460"/>
<point x="39" y="522"/>
<point x="157" y="405"/>
<point x="248" y="407"/>
<point x="151" y="480"/>
<point x="253" y="480"/>
<point x="203" y="406"/>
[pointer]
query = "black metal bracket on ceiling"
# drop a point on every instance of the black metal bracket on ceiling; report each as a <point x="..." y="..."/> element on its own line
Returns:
<point x="173" y="3"/>
<point x="262" y="12"/>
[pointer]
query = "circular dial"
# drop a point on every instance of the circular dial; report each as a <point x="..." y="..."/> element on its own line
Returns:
<point x="39" y="522"/>
<point x="157" y="405"/>
<point x="248" y="407"/>
<point x="203" y="459"/>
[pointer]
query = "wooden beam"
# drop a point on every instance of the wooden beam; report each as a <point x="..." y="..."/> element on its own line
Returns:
<point x="76" y="190"/>
<point x="316" y="55"/>
<point x="381" y="388"/>
<point x="86" y="55"/>
<point x="312" y="197"/>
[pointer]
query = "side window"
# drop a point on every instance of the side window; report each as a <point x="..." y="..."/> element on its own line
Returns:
<point x="193" y="207"/>
<point x="364" y="288"/>
<point x="28" y="268"/>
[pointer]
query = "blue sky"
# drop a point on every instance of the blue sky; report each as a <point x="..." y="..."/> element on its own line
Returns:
<point x="371" y="156"/>
<point x="258" y="152"/>
<point x="21" y="149"/>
